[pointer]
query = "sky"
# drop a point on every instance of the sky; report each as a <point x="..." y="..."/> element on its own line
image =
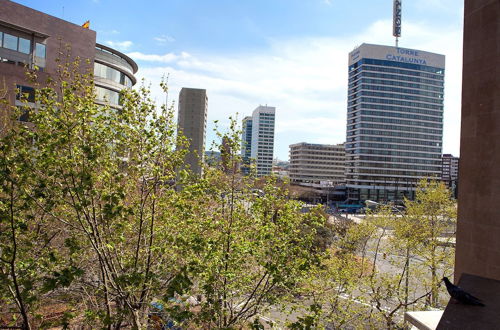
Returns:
<point x="290" y="54"/>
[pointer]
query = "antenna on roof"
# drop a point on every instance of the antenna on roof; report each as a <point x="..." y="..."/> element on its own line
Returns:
<point x="396" y="20"/>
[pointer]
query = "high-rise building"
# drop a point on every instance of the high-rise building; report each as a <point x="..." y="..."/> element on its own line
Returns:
<point x="449" y="172"/>
<point x="246" y="144"/>
<point x="449" y="169"/>
<point x="262" y="145"/>
<point x="394" y="121"/>
<point x="30" y="39"/>
<point x="192" y="123"/>
<point x="317" y="163"/>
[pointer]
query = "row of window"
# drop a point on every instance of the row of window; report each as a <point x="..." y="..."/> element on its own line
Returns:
<point x="396" y="134"/>
<point x="435" y="162"/>
<point x="438" y="113"/>
<point x="389" y="173"/>
<point x="403" y="141"/>
<point x="397" y="84"/>
<point x="396" y="77"/>
<point x="323" y="159"/>
<point x="325" y="153"/>
<point x="389" y="181"/>
<point x="21" y="45"/>
<point x="402" y="97"/>
<point x="401" y="128"/>
<point x="398" y="166"/>
<point x="386" y="114"/>
<point x="402" y="72"/>
<point x="402" y="103"/>
<point x="106" y="95"/>
<point x="394" y="147"/>
<point x="400" y="90"/>
<point x="396" y="153"/>
<point x="386" y="120"/>
<point x="106" y="72"/>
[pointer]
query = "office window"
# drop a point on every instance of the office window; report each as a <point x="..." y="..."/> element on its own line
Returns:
<point x="40" y="50"/>
<point x="1" y="39"/>
<point x="24" y="46"/>
<point x="9" y="41"/>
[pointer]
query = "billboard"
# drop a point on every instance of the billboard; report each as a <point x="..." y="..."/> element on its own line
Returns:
<point x="396" y="19"/>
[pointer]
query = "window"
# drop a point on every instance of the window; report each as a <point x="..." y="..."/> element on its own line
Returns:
<point x="9" y="41"/>
<point x="1" y="38"/>
<point x="25" y="114"/>
<point x="25" y="93"/>
<point x="40" y="50"/>
<point x="24" y="46"/>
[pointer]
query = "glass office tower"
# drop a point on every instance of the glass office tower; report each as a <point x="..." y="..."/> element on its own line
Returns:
<point x="394" y="121"/>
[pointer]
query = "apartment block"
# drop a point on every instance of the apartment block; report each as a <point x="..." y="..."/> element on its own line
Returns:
<point x="317" y="163"/>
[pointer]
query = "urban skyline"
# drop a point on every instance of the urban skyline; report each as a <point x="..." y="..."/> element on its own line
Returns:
<point x="301" y="69"/>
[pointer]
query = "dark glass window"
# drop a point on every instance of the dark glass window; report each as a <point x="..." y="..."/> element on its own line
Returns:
<point x="25" y="114"/>
<point x="25" y="93"/>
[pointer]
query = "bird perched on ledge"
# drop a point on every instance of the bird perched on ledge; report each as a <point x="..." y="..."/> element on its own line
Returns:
<point x="460" y="295"/>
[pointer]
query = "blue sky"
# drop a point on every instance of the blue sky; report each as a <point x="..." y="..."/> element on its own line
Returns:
<point x="291" y="54"/>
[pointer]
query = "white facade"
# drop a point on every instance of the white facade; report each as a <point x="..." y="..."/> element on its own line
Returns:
<point x="262" y="148"/>
<point x="317" y="163"/>
<point x="394" y="121"/>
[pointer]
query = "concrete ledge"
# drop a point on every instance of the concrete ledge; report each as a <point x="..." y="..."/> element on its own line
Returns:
<point x="426" y="320"/>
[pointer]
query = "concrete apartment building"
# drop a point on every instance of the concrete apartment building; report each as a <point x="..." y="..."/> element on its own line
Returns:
<point x="317" y="163"/>
<point x="30" y="39"/>
<point x="246" y="144"/>
<point x="262" y="146"/>
<point x="394" y="121"/>
<point x="192" y="123"/>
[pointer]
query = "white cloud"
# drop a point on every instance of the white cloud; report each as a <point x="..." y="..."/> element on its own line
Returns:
<point x="328" y="2"/>
<point x="165" y="58"/>
<point x="305" y="78"/>
<point x="120" y="45"/>
<point x="163" y="39"/>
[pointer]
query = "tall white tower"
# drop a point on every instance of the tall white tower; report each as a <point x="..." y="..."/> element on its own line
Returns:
<point x="263" y="138"/>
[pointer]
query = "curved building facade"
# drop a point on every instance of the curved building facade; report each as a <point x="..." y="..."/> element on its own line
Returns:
<point x="394" y="121"/>
<point x="113" y="71"/>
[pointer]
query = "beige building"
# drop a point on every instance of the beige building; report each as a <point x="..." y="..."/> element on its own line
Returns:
<point x="317" y="163"/>
<point x="192" y="123"/>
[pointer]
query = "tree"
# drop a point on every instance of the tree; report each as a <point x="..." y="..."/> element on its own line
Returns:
<point x="431" y="224"/>
<point x="30" y="240"/>
<point x="390" y="262"/>
<point x="108" y="175"/>
<point x="251" y="248"/>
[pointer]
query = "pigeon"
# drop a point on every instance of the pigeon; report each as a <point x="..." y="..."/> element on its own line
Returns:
<point x="460" y="295"/>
